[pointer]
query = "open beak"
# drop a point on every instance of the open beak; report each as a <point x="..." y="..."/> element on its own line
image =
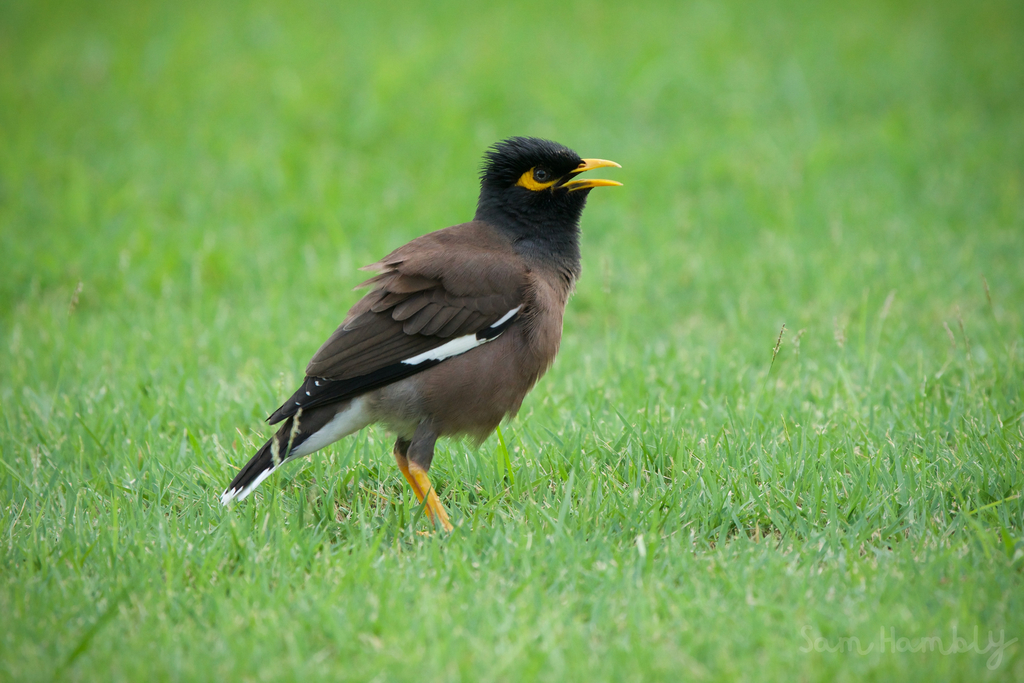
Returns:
<point x="586" y="184"/>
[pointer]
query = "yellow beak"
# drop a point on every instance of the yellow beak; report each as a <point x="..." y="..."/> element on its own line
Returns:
<point x="589" y="165"/>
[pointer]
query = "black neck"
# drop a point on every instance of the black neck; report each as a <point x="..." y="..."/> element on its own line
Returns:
<point x="550" y="237"/>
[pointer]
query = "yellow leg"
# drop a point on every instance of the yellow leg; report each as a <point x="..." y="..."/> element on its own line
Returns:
<point x="403" y="464"/>
<point x="421" y="486"/>
<point x="434" y="507"/>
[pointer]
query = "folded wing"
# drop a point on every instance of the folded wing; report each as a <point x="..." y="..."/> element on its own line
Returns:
<point x="437" y="297"/>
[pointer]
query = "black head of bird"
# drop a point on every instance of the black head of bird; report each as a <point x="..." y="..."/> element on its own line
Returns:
<point x="529" y="188"/>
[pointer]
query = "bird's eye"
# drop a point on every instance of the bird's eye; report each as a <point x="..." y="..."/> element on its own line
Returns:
<point x="537" y="179"/>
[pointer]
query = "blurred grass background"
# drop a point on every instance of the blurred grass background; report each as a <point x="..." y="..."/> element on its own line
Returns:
<point x="187" y="189"/>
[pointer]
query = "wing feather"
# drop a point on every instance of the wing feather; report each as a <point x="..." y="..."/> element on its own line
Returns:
<point x="453" y="325"/>
<point x="417" y="322"/>
<point x="440" y="319"/>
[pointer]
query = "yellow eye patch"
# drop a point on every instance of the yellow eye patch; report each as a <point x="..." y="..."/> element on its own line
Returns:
<point x="530" y="183"/>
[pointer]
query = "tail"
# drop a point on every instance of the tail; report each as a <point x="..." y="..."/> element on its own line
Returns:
<point x="299" y="435"/>
<point x="267" y="459"/>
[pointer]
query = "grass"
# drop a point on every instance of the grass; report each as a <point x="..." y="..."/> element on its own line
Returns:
<point x="187" y="189"/>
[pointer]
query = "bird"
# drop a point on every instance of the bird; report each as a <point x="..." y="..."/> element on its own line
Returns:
<point x="456" y="328"/>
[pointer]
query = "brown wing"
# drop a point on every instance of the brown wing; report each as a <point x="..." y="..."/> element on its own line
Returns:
<point x="439" y="288"/>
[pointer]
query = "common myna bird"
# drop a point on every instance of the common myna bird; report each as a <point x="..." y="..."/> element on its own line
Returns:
<point x="457" y="327"/>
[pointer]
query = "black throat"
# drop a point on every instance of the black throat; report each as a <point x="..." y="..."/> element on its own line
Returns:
<point x="545" y="233"/>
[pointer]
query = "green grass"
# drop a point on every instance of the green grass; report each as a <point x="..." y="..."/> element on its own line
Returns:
<point x="187" y="189"/>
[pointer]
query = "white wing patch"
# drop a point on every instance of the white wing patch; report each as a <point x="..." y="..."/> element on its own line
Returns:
<point x="455" y="347"/>
<point x="459" y="345"/>
<point x="505" y="317"/>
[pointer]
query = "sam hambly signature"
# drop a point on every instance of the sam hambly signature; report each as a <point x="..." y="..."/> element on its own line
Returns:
<point x="888" y="642"/>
